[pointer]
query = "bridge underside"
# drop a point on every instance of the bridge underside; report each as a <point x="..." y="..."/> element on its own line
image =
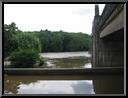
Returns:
<point x="115" y="25"/>
<point x="112" y="49"/>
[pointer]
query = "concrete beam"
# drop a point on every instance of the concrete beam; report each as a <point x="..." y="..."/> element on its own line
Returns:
<point x="113" y="26"/>
<point x="66" y="71"/>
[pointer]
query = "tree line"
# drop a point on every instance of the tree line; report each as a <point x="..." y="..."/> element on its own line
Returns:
<point x="43" y="40"/>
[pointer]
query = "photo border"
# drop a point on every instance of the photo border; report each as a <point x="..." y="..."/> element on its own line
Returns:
<point x="58" y="2"/>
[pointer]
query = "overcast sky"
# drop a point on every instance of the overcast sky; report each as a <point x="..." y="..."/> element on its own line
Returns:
<point x="54" y="17"/>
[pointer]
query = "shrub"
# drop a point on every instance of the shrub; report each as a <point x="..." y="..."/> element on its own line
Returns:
<point x="24" y="58"/>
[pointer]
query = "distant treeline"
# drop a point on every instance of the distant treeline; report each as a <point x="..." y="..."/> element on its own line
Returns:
<point x="43" y="40"/>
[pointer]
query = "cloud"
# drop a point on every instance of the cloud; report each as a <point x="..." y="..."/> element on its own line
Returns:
<point x="83" y="11"/>
<point x="54" y="17"/>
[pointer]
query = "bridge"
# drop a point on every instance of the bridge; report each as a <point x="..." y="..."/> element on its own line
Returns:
<point x="108" y="36"/>
<point x="108" y="43"/>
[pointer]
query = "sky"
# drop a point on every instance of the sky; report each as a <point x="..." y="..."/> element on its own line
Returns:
<point x="54" y="17"/>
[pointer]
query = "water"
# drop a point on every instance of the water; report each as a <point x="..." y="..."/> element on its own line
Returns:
<point x="66" y="54"/>
<point x="64" y="60"/>
<point x="67" y="60"/>
<point x="84" y="84"/>
<point x="65" y="84"/>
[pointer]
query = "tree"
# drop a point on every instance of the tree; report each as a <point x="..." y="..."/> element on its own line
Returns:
<point x="44" y="40"/>
<point x="26" y="41"/>
<point x="9" y="31"/>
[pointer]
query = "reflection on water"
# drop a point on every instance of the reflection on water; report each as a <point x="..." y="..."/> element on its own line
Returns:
<point x="111" y="85"/>
<point x="85" y="84"/>
<point x="67" y="60"/>
<point x="57" y="87"/>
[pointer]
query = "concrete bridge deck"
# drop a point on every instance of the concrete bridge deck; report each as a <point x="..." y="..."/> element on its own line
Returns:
<point x="63" y="71"/>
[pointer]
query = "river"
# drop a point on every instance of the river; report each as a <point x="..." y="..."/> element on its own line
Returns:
<point x="67" y="59"/>
<point x="64" y="84"/>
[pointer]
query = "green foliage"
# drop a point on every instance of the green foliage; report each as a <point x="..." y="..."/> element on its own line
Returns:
<point x="44" y="40"/>
<point x="26" y="40"/>
<point x="62" y="41"/>
<point x="14" y="39"/>
<point x="9" y="32"/>
<point x="24" y="58"/>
